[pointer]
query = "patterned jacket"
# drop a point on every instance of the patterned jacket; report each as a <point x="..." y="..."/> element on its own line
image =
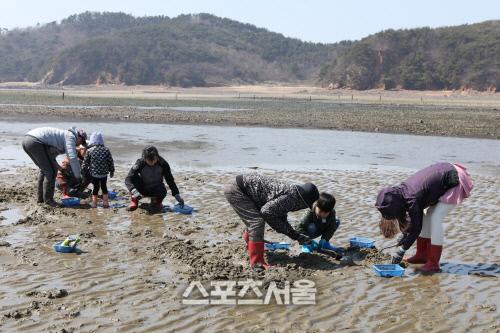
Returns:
<point x="274" y="199"/>
<point x="98" y="162"/>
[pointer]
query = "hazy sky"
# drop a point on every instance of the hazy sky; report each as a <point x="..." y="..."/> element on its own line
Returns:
<point x="312" y="20"/>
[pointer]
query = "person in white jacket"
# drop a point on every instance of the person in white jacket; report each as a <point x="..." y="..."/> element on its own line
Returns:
<point x="43" y="145"/>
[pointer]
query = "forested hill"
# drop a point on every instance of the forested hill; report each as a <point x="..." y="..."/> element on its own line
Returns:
<point x="188" y="50"/>
<point x="466" y="56"/>
<point x="204" y="50"/>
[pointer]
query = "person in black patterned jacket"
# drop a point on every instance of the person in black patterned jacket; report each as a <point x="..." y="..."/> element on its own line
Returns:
<point x="258" y="199"/>
<point x="98" y="163"/>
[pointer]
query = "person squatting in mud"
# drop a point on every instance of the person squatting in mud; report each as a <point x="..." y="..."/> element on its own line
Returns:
<point x="259" y="199"/>
<point x="320" y="221"/>
<point x="43" y="145"/>
<point x="66" y="181"/>
<point x="418" y="206"/>
<point x="145" y="179"/>
<point x="98" y="164"/>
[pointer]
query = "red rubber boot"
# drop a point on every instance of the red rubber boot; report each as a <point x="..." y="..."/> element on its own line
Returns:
<point x="246" y="237"/>
<point x="433" y="257"/>
<point x="134" y="203"/>
<point x="422" y="248"/>
<point x="256" y="254"/>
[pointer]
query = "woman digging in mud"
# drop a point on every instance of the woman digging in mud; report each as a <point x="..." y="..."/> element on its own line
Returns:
<point x="437" y="189"/>
<point x="43" y="145"/>
<point x="258" y="199"/>
<point x="145" y="179"/>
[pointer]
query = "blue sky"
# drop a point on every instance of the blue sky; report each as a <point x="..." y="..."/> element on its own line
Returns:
<point x="313" y="20"/>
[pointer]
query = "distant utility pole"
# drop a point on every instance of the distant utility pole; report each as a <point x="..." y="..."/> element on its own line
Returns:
<point x="63" y="96"/>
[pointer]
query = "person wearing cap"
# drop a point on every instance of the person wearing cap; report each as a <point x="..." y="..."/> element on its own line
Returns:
<point x="145" y="179"/>
<point x="43" y="145"/>
<point x="259" y="199"/>
<point x="418" y="207"/>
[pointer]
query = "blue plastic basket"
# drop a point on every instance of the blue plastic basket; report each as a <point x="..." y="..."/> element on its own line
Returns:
<point x="58" y="247"/>
<point x="388" y="270"/>
<point x="277" y="246"/>
<point x="186" y="210"/>
<point x="70" y="202"/>
<point x="361" y="242"/>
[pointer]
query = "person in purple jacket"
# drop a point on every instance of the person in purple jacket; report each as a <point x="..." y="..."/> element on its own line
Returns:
<point x="418" y="206"/>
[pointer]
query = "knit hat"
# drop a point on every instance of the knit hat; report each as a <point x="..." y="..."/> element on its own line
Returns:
<point x="96" y="139"/>
<point x="309" y="193"/>
<point x="390" y="202"/>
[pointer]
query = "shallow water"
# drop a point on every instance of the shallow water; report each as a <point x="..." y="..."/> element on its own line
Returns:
<point x="217" y="147"/>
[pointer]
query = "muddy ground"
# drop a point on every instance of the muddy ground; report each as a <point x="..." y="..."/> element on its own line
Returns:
<point x="133" y="267"/>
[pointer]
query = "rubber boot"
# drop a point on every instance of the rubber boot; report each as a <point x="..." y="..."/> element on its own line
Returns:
<point x="134" y="203"/>
<point x="105" y="201"/>
<point x="422" y="248"/>
<point x="48" y="193"/>
<point x="64" y="190"/>
<point x="256" y="255"/>
<point x="433" y="257"/>
<point x="246" y="237"/>
<point x="40" y="188"/>
<point x="94" y="201"/>
<point x="156" y="205"/>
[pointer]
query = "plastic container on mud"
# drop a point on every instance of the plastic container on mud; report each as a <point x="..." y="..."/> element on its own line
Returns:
<point x="70" y="202"/>
<point x="112" y="194"/>
<point x="388" y="270"/>
<point x="59" y="247"/>
<point x="361" y="242"/>
<point x="277" y="246"/>
<point x="186" y="210"/>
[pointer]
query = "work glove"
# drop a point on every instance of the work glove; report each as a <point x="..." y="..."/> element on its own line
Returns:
<point x="324" y="244"/>
<point x="136" y="194"/>
<point x="304" y="239"/>
<point x="111" y="174"/>
<point x="179" y="200"/>
<point x="398" y="256"/>
<point x="310" y="247"/>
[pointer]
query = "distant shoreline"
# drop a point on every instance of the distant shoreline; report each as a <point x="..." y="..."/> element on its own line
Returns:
<point x="421" y="113"/>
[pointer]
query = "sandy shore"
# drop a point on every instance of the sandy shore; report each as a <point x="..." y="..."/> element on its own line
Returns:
<point x="423" y="113"/>
<point x="134" y="267"/>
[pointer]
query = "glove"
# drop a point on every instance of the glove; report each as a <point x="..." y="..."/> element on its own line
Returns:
<point x="324" y="244"/>
<point x="398" y="256"/>
<point x="111" y="174"/>
<point x="73" y="191"/>
<point x="179" y="200"/>
<point x="304" y="239"/>
<point x="309" y="247"/>
<point x="136" y="194"/>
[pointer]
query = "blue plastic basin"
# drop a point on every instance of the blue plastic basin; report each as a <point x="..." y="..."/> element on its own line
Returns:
<point x="58" y="247"/>
<point x="277" y="246"/>
<point x="70" y="202"/>
<point x="112" y="195"/>
<point x="388" y="270"/>
<point x="361" y="242"/>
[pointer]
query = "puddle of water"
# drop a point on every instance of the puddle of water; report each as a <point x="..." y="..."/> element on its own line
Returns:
<point x="11" y="216"/>
<point x="22" y="236"/>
